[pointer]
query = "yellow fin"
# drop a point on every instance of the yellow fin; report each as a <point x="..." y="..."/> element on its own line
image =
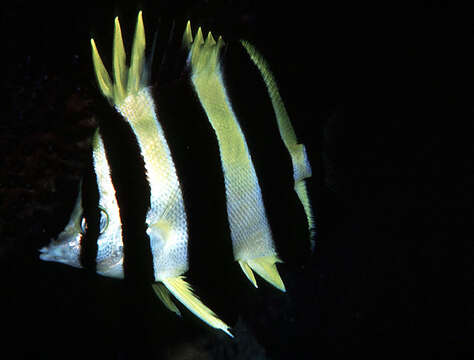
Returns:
<point x="204" y="53"/>
<point x="187" y="36"/>
<point x="164" y="295"/>
<point x="103" y="78"/>
<point x="265" y="266"/>
<point x="127" y="81"/>
<point x="302" y="191"/>
<point x="184" y="293"/>
<point x="248" y="272"/>
<point x="210" y="39"/>
<point x="199" y="39"/>
<point x="299" y="159"/>
<point x="119" y="65"/>
<point x="138" y="57"/>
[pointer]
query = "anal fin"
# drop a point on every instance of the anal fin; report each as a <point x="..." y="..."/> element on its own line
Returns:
<point x="164" y="295"/>
<point x="264" y="266"/>
<point x="248" y="272"/>
<point x="184" y="293"/>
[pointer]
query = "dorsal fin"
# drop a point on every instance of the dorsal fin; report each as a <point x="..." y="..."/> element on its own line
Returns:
<point x="299" y="159"/>
<point x="203" y="53"/>
<point x="127" y="80"/>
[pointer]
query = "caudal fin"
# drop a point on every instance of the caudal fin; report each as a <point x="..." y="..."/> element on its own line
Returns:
<point x="184" y="293"/>
<point x="264" y="266"/>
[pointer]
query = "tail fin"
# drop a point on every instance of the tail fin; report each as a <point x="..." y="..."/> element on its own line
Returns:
<point x="265" y="267"/>
<point x="184" y="293"/>
<point x="301" y="166"/>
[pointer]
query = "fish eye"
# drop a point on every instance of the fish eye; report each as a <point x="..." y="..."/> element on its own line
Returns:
<point x="104" y="220"/>
<point x="83" y="225"/>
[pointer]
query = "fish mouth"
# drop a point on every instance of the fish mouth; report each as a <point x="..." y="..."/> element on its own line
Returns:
<point x="48" y="253"/>
<point x="44" y="254"/>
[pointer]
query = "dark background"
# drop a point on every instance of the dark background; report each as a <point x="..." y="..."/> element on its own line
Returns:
<point x="380" y="96"/>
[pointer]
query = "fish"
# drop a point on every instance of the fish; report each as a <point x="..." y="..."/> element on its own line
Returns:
<point x="129" y="93"/>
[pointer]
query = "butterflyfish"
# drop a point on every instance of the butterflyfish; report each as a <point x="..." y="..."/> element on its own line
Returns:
<point x="165" y="233"/>
<point x="252" y="240"/>
<point x="166" y="221"/>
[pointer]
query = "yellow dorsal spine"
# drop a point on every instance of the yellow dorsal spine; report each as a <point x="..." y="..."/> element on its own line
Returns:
<point x="118" y="64"/>
<point x="103" y="78"/>
<point x="188" y="36"/>
<point x="135" y="73"/>
<point x="127" y="80"/>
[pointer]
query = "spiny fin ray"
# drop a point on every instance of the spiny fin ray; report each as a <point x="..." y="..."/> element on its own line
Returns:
<point x="248" y="272"/>
<point x="164" y="295"/>
<point x="265" y="266"/>
<point x="118" y="63"/>
<point x="184" y="293"/>
<point x="138" y="57"/>
<point x="187" y="36"/>
<point x="126" y="80"/>
<point x="203" y="53"/>
<point x="103" y="78"/>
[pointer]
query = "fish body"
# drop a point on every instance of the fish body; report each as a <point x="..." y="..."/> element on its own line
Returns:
<point x="166" y="224"/>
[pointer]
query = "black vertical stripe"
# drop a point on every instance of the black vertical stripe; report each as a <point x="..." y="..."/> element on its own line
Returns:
<point x="90" y="220"/>
<point x="254" y="111"/>
<point x="132" y="191"/>
<point x="195" y="152"/>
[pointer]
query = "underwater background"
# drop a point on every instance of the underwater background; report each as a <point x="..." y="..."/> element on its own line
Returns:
<point x="370" y="91"/>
